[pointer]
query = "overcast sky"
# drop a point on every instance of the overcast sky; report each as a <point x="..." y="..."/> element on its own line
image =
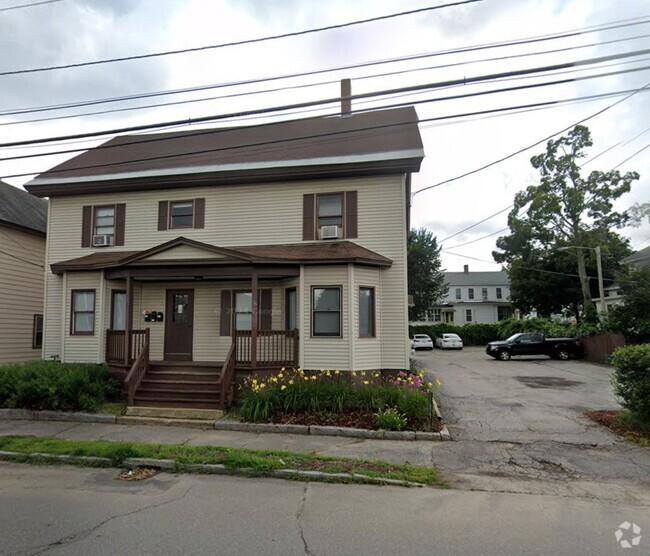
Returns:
<point x="70" y="31"/>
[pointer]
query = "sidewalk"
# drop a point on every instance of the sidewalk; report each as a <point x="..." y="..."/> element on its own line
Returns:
<point x="393" y="451"/>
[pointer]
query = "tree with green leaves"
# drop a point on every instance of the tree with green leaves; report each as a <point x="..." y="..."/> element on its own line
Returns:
<point x="426" y="282"/>
<point x="565" y="210"/>
<point x="632" y="317"/>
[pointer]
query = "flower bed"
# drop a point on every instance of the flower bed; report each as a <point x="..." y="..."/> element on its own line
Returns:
<point x="359" y="399"/>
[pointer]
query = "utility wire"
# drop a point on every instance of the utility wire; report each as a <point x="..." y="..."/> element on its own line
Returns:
<point x="631" y="156"/>
<point x="239" y="43"/>
<point x="412" y="88"/>
<point x="29" y="5"/>
<point x="21" y="259"/>
<point x="511" y="155"/>
<point x="337" y="134"/>
<point x="477" y="223"/>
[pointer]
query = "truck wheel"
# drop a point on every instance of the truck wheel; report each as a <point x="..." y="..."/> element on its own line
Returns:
<point x="504" y="355"/>
<point x="562" y="354"/>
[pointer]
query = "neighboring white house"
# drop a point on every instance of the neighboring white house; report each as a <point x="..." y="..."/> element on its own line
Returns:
<point x="473" y="297"/>
<point x="613" y="295"/>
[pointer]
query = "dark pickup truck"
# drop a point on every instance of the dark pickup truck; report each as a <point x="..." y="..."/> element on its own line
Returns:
<point x="534" y="344"/>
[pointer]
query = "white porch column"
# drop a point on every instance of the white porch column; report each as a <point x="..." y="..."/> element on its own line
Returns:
<point x="352" y="325"/>
<point x="304" y="319"/>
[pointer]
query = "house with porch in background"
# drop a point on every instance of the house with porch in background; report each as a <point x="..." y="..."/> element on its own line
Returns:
<point x="182" y="259"/>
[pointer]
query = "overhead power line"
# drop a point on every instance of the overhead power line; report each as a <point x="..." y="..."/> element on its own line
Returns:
<point x="333" y="135"/>
<point x="240" y="43"/>
<point x="477" y="223"/>
<point x="413" y="88"/>
<point x="29" y="5"/>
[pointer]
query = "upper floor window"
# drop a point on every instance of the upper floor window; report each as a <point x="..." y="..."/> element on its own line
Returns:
<point x="470" y="293"/>
<point x="458" y="296"/>
<point x="103" y="225"/>
<point x="484" y="294"/>
<point x="173" y="215"/>
<point x="104" y="221"/>
<point x="499" y="293"/>
<point x="329" y="209"/>
<point x="82" y="320"/>
<point x="181" y="214"/>
<point x="326" y="311"/>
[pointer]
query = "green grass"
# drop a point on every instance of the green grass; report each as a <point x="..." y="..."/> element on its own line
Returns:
<point x="113" y="408"/>
<point x="255" y="462"/>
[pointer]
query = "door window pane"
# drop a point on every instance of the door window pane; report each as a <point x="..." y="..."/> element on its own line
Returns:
<point x="180" y="302"/>
<point x="291" y="308"/>
<point x="118" y="315"/>
<point x="243" y="311"/>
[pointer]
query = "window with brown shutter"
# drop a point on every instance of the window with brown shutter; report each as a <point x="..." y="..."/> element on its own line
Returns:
<point x="103" y="220"/>
<point x="330" y="209"/>
<point x="308" y="224"/>
<point x="86" y="226"/>
<point x="120" y="223"/>
<point x="351" y="220"/>
<point x="181" y="214"/>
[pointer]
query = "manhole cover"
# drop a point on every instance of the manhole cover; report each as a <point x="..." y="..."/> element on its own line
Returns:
<point x="547" y="382"/>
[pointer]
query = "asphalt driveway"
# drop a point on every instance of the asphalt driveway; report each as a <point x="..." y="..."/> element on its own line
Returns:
<point x="522" y="400"/>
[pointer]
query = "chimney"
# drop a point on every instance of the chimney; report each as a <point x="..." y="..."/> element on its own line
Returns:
<point x="346" y="101"/>
<point x="466" y="268"/>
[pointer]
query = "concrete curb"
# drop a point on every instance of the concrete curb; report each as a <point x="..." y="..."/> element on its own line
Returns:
<point x="170" y="465"/>
<point x="225" y="425"/>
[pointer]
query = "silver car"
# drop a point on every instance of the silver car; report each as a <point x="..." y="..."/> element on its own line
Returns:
<point x="421" y="341"/>
<point x="449" y="341"/>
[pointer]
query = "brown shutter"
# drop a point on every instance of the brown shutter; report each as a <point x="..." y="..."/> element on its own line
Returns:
<point x="308" y="217"/>
<point x="226" y="312"/>
<point x="163" y="207"/>
<point x="86" y="226"/>
<point x="351" y="226"/>
<point x="120" y="220"/>
<point x="266" y="309"/>
<point x="199" y="213"/>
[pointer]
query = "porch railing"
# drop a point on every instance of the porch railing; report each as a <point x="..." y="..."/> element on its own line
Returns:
<point x="275" y="348"/>
<point x="228" y="379"/>
<point x="116" y="345"/>
<point x="139" y="368"/>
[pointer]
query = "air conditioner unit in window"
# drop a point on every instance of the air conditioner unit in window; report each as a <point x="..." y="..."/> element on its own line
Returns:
<point x="102" y="240"/>
<point x="329" y="232"/>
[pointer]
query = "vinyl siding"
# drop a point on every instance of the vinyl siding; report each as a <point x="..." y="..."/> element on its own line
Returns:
<point x="83" y="349"/>
<point x="367" y="351"/>
<point x="267" y="214"/>
<point x="184" y="252"/>
<point x="330" y="353"/>
<point x="21" y="293"/>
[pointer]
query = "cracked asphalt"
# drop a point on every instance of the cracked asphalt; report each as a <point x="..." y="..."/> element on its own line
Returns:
<point x="522" y="421"/>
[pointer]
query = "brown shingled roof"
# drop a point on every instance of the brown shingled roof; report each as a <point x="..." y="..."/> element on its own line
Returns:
<point x="338" y="252"/>
<point x="382" y="141"/>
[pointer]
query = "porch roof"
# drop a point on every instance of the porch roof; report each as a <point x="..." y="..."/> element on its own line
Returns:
<point x="336" y="252"/>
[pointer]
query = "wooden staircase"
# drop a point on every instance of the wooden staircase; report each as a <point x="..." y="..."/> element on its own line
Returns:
<point x="180" y="385"/>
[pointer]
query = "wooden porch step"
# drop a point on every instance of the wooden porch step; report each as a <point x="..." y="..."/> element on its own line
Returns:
<point x="196" y="394"/>
<point x="150" y="383"/>
<point x="183" y="376"/>
<point x="180" y="403"/>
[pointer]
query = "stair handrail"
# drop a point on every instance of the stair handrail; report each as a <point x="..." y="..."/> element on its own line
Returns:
<point x="228" y="378"/>
<point x="138" y="370"/>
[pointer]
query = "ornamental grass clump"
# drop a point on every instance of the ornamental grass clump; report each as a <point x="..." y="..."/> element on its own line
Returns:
<point x="297" y="391"/>
<point x="391" y="419"/>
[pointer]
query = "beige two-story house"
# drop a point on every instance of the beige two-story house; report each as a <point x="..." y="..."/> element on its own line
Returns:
<point x="233" y="249"/>
<point x="23" y="219"/>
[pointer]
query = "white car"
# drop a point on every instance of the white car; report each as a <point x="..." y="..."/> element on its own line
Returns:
<point x="421" y="341"/>
<point x="449" y="341"/>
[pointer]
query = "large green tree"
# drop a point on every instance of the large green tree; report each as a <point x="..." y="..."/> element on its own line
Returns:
<point x="565" y="210"/>
<point x="632" y="317"/>
<point x="426" y="282"/>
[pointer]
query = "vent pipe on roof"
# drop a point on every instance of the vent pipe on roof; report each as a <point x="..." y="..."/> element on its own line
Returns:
<point x="466" y="269"/>
<point x="346" y="101"/>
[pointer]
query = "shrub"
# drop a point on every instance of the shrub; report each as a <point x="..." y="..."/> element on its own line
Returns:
<point x="471" y="334"/>
<point x="56" y="386"/>
<point x="391" y="419"/>
<point x="549" y="328"/>
<point x="631" y="379"/>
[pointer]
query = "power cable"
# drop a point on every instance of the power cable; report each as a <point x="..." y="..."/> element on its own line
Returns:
<point x="29" y="5"/>
<point x="412" y="88"/>
<point x="477" y="223"/>
<point x="21" y="259"/>
<point x="239" y="43"/>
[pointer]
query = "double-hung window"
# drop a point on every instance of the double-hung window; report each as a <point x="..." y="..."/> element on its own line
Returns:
<point x="326" y="311"/>
<point x="499" y="293"/>
<point x="484" y="294"/>
<point x="37" y="332"/>
<point x="104" y="224"/>
<point x="470" y="293"/>
<point x="181" y="214"/>
<point x="83" y="312"/>
<point x="366" y="312"/>
<point x="458" y="295"/>
<point x="330" y="210"/>
<point x="468" y="315"/>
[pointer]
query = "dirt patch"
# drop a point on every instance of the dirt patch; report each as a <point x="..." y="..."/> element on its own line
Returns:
<point x="613" y="421"/>
<point x="354" y="419"/>
<point x="137" y="474"/>
<point x="553" y="382"/>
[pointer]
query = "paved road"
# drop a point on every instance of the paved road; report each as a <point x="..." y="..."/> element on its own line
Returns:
<point x="73" y="511"/>
<point x="524" y="419"/>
